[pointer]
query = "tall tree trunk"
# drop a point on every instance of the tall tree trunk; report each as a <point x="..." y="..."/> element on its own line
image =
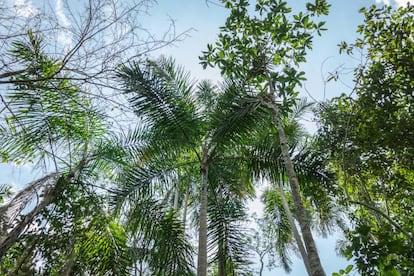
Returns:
<point x="187" y="193"/>
<point x="296" y="234"/>
<point x="70" y="258"/>
<point x="221" y="259"/>
<point x="176" y="197"/>
<point x="202" y="234"/>
<point x="314" y="260"/>
<point x="261" y="264"/>
<point x="222" y="254"/>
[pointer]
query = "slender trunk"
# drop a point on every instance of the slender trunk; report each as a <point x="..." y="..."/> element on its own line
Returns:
<point x="166" y="197"/>
<point x="222" y="254"/>
<point x="295" y="231"/>
<point x="202" y="235"/>
<point x="187" y="193"/>
<point x="176" y="197"/>
<point x="221" y="259"/>
<point x="314" y="261"/>
<point x="261" y="265"/>
<point x="23" y="259"/>
<point x="13" y="236"/>
<point x="70" y="258"/>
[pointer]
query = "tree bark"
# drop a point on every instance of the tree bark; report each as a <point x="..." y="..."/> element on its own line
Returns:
<point x="261" y="265"/>
<point x="202" y="235"/>
<point x="295" y="231"/>
<point x="176" y="197"/>
<point x="222" y="254"/>
<point x="70" y="258"/>
<point x="221" y="259"/>
<point x="187" y="193"/>
<point x="314" y="260"/>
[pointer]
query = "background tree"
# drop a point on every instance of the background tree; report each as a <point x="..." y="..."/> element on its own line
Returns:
<point x="50" y="122"/>
<point x="264" y="48"/>
<point x="370" y="142"/>
<point x="318" y="189"/>
<point x="182" y="132"/>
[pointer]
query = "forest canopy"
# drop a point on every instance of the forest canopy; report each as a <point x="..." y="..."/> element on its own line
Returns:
<point x="139" y="169"/>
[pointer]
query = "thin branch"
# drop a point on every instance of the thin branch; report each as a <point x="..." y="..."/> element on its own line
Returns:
<point x="390" y="220"/>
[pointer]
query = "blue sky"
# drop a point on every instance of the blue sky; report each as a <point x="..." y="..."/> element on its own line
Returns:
<point x="204" y="20"/>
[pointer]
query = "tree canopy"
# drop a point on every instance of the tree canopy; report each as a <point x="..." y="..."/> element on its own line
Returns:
<point x="143" y="170"/>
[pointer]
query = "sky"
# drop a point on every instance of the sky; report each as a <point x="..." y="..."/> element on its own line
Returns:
<point x="202" y="20"/>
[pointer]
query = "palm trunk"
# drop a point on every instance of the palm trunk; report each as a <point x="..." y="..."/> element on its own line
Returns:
<point x="70" y="258"/>
<point x="176" y="197"/>
<point x="314" y="260"/>
<point x="187" y="193"/>
<point x="202" y="235"/>
<point x="298" y="238"/>
<point x="222" y="254"/>
<point x="221" y="259"/>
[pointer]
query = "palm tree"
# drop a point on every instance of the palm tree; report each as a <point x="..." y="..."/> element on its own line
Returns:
<point x="63" y="217"/>
<point x="267" y="161"/>
<point x="264" y="45"/>
<point x="185" y="127"/>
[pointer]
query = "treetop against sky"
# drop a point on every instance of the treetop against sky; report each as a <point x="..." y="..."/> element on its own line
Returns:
<point x="202" y="20"/>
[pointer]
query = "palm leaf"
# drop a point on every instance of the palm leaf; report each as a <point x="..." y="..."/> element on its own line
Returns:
<point x="169" y="252"/>
<point x="279" y="228"/>
<point x="162" y="93"/>
<point x="10" y="211"/>
<point x="226" y="231"/>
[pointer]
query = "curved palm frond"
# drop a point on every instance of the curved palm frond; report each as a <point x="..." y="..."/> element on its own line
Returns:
<point x="162" y="236"/>
<point x="10" y="211"/>
<point x="162" y="93"/>
<point x="226" y="232"/>
<point x="279" y="228"/>
<point x="236" y="115"/>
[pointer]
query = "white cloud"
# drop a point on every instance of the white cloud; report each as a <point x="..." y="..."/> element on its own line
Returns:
<point x="64" y="36"/>
<point x="397" y="2"/>
<point x="404" y="2"/>
<point x="61" y="15"/>
<point x="25" y="8"/>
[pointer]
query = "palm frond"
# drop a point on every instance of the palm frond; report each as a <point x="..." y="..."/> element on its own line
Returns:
<point x="318" y="186"/>
<point x="207" y="94"/>
<point x="169" y="252"/>
<point x="237" y="113"/>
<point x="46" y="115"/>
<point x="226" y="231"/>
<point x="278" y="228"/>
<point x="103" y="248"/>
<point x="11" y="210"/>
<point x="163" y="94"/>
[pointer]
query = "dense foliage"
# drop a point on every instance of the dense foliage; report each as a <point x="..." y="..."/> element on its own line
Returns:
<point x="369" y="138"/>
<point x="134" y="157"/>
